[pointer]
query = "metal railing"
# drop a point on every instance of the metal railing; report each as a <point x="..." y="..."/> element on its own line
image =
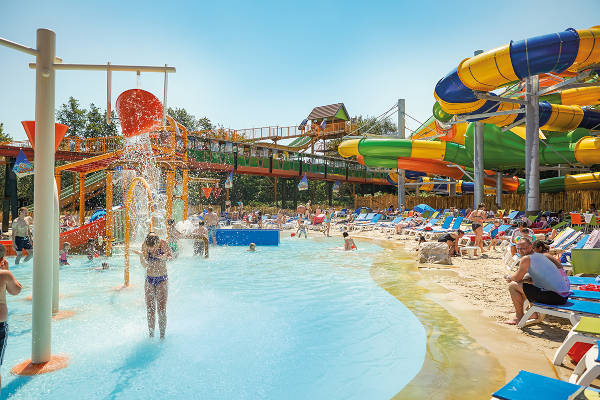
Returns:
<point x="277" y="132"/>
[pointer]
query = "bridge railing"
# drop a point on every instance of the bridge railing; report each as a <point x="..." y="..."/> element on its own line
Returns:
<point x="277" y="132"/>
<point x="105" y="144"/>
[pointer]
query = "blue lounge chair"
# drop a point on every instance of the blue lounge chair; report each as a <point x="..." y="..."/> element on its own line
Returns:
<point x="580" y="280"/>
<point x="527" y="386"/>
<point x="572" y="310"/>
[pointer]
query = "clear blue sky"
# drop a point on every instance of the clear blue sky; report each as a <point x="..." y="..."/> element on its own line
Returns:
<point x="257" y="63"/>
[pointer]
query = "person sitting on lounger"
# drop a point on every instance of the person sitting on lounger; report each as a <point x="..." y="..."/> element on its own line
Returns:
<point x="550" y="284"/>
<point x="451" y="239"/>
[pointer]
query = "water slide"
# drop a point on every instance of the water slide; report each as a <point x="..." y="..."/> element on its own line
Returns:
<point x="571" y="50"/>
<point x="77" y="237"/>
<point x="561" y="54"/>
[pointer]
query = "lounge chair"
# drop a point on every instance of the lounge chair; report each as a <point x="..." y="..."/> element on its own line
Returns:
<point x="390" y="226"/>
<point x="369" y="225"/>
<point x="572" y="310"/>
<point x="527" y="386"/>
<point x="440" y="231"/>
<point x="420" y="229"/>
<point x="588" y="368"/>
<point x="587" y="330"/>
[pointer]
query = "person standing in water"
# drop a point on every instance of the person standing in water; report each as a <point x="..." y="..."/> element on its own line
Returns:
<point x="21" y="235"/>
<point x="8" y="283"/>
<point x="348" y="242"/>
<point x="211" y="219"/>
<point x="173" y="236"/>
<point x="154" y="256"/>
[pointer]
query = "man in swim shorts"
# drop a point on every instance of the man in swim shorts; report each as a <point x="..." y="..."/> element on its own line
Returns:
<point x="211" y="219"/>
<point x="8" y="283"/>
<point x="199" y="235"/>
<point x="21" y="235"/>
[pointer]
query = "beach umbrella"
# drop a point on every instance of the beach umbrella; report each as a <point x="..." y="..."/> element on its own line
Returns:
<point x="421" y="208"/>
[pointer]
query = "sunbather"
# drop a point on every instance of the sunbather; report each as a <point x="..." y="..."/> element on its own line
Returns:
<point x="550" y="284"/>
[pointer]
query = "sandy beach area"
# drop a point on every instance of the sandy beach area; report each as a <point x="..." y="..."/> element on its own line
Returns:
<point x="475" y="293"/>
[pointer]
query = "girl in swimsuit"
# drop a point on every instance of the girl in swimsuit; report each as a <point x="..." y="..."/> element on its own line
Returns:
<point x="155" y="252"/>
<point x="477" y="217"/>
<point x="327" y="223"/>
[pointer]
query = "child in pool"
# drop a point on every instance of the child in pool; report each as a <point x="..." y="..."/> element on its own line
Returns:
<point x="64" y="254"/>
<point x="252" y="247"/>
<point x="301" y="228"/>
<point x="103" y="267"/>
<point x="348" y="242"/>
<point x="90" y="249"/>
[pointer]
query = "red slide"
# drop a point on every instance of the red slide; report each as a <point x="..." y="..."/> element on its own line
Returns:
<point x="77" y="237"/>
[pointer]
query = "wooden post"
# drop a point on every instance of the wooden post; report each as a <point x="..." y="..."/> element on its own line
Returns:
<point x="275" y="188"/>
<point x="109" y="213"/>
<point x="185" y="192"/>
<point x="73" y="195"/>
<point x="81" y="198"/>
<point x="354" y="195"/>
<point x="170" y="184"/>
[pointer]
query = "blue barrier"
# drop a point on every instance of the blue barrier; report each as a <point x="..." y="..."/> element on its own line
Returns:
<point x="243" y="237"/>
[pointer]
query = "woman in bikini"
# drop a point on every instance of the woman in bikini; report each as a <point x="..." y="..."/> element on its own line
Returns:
<point x="154" y="255"/>
<point x="477" y="217"/>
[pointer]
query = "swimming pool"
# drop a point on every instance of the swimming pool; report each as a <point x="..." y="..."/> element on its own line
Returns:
<point x="296" y="321"/>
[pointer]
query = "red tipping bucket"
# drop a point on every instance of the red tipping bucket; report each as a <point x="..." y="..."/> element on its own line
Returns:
<point x="139" y="111"/>
<point x="60" y="130"/>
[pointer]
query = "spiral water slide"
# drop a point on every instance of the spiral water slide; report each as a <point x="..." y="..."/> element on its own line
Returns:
<point x="566" y="53"/>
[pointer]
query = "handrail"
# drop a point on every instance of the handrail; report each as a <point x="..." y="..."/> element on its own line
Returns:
<point x="277" y="132"/>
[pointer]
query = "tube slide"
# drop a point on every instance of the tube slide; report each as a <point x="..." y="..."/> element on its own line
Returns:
<point x="570" y="50"/>
<point x="502" y="150"/>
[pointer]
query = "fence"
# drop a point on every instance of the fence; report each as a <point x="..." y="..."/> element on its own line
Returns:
<point x="568" y="201"/>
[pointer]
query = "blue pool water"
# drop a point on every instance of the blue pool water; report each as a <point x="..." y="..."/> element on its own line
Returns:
<point x="296" y="321"/>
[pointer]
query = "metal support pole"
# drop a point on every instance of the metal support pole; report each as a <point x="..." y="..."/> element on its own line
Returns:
<point x="109" y="213"/>
<point x="452" y="189"/>
<point x="401" y="134"/>
<point x="43" y="196"/>
<point x="478" y="192"/>
<point x="532" y="144"/>
<point x="166" y="83"/>
<point x="56" y="248"/>
<point x="108" y="90"/>
<point x="81" y="198"/>
<point x="478" y="164"/>
<point x="185" y="179"/>
<point x="499" y="189"/>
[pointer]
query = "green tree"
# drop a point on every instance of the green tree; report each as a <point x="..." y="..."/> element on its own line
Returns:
<point x="365" y="125"/>
<point x="74" y="116"/>
<point x="96" y="125"/>
<point x="188" y="120"/>
<point x="4" y="136"/>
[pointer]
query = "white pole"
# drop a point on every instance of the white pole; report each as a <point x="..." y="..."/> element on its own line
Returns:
<point x="108" y="90"/>
<point x="56" y="238"/>
<point x="478" y="190"/>
<point x="164" y="116"/>
<point x="401" y="133"/>
<point x="43" y="193"/>
<point x="532" y="144"/>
